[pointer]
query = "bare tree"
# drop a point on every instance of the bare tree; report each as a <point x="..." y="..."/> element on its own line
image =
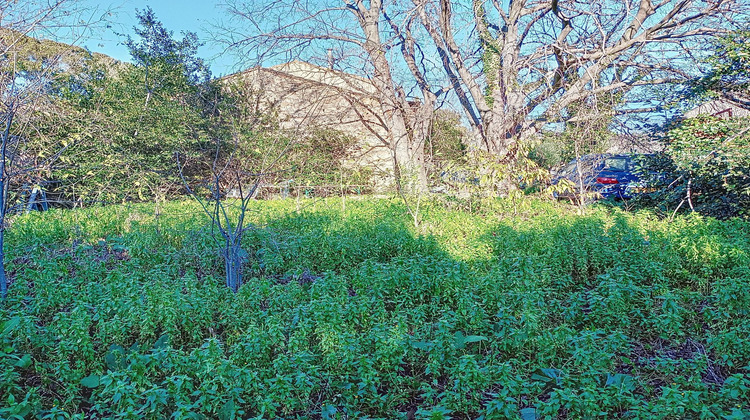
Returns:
<point x="227" y="215"/>
<point x="226" y="193"/>
<point x="25" y="76"/>
<point x="375" y="38"/>
<point x="517" y="66"/>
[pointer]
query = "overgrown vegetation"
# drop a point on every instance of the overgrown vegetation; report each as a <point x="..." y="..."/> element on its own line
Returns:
<point x="712" y="164"/>
<point x="114" y="129"/>
<point x="729" y="67"/>
<point x="362" y="308"/>
<point x="704" y="169"/>
<point x="312" y="158"/>
<point x="704" y="166"/>
<point x="517" y="311"/>
<point x="447" y="142"/>
<point x="134" y="118"/>
<point x="587" y="130"/>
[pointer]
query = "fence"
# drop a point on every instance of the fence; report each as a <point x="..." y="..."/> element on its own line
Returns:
<point x="287" y="190"/>
<point x="38" y="199"/>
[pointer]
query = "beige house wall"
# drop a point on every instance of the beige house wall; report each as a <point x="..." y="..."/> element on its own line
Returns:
<point x="305" y="97"/>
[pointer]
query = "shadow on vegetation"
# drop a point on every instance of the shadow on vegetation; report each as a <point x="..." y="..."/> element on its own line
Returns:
<point x="349" y="313"/>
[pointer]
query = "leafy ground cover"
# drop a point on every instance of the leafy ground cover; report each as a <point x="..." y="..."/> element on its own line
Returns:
<point x="527" y="311"/>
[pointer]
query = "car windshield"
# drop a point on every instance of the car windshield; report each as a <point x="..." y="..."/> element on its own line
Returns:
<point x="569" y="170"/>
<point x="589" y="165"/>
<point x="616" y="164"/>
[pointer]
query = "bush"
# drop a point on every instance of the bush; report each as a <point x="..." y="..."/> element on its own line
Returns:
<point x="706" y="165"/>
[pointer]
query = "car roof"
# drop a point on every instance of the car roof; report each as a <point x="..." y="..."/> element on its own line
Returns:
<point x="602" y="156"/>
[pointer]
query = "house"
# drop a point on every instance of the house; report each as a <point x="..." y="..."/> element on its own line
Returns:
<point x="724" y="107"/>
<point x="302" y="97"/>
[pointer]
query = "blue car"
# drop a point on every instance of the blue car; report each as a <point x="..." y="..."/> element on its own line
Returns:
<point x="602" y="176"/>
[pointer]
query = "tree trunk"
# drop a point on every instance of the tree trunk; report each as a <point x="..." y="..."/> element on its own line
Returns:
<point x="233" y="264"/>
<point x="408" y="154"/>
<point x="3" y="279"/>
<point x="4" y="199"/>
<point x="420" y="167"/>
<point x="421" y="125"/>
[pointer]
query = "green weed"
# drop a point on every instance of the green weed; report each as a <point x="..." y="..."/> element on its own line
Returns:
<point x="519" y="310"/>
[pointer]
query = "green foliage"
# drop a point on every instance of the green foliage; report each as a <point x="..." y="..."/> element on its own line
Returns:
<point x="130" y="122"/>
<point x="172" y="63"/>
<point x="730" y="66"/>
<point x="588" y="132"/>
<point x="29" y="71"/>
<point x="111" y="132"/>
<point x="319" y="157"/>
<point x="485" y="174"/>
<point x="552" y="150"/>
<point x="133" y="119"/>
<point x="707" y="159"/>
<point x="447" y="140"/>
<point x="353" y="313"/>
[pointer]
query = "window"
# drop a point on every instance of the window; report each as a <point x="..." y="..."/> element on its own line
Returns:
<point x="616" y="164"/>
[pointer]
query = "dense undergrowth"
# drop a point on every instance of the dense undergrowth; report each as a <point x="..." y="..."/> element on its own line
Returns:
<point x="530" y="312"/>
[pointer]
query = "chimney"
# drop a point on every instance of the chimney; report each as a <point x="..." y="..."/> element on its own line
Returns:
<point x="330" y="58"/>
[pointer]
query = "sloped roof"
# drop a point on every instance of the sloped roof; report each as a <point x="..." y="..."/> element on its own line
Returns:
<point x="304" y="71"/>
<point x="724" y="107"/>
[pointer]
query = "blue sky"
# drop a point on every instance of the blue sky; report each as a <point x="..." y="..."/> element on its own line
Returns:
<point x="176" y="15"/>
